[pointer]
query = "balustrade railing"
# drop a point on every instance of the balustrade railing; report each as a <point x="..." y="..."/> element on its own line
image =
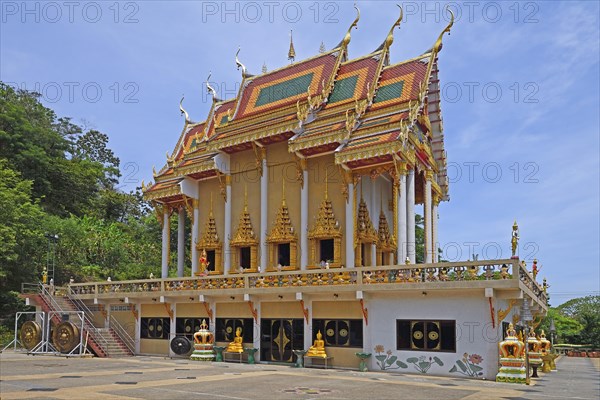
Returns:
<point x="481" y="270"/>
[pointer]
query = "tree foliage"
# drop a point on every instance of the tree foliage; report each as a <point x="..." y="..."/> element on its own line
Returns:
<point x="577" y="321"/>
<point x="55" y="178"/>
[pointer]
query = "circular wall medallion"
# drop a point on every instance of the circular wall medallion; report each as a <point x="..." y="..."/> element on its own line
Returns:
<point x="229" y="329"/>
<point x="343" y="332"/>
<point x="330" y="332"/>
<point x="433" y="335"/>
<point x="418" y="335"/>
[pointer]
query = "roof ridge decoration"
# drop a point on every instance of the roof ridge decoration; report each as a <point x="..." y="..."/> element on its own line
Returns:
<point x="183" y="112"/>
<point x="239" y="64"/>
<point x="342" y="56"/>
<point x="347" y="37"/>
<point x="418" y="105"/>
<point x="210" y="89"/>
<point x="385" y="57"/>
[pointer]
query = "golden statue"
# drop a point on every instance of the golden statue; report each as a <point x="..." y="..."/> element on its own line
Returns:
<point x="204" y="263"/>
<point x="236" y="345"/>
<point x="318" y="347"/>
<point x="514" y="241"/>
<point x="45" y="276"/>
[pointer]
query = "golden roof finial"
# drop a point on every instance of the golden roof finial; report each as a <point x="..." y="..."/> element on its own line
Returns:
<point x="322" y="48"/>
<point x="210" y="89"/>
<point x="346" y="39"/>
<point x="182" y="110"/>
<point x="291" y="51"/>
<point x="239" y="64"/>
<point x="245" y="197"/>
<point x="438" y="43"/>
<point x="210" y="212"/>
<point x="283" y="192"/>
<point x="264" y="67"/>
<point x="390" y="37"/>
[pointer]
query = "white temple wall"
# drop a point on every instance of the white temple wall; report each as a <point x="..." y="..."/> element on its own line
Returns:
<point x="474" y="332"/>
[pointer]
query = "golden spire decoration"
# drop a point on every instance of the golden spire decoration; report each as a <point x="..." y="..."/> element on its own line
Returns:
<point x="210" y="238"/>
<point x="385" y="238"/>
<point x="282" y="230"/>
<point x="244" y="235"/>
<point x="264" y="68"/>
<point x="326" y="226"/>
<point x="291" y="51"/>
<point x="364" y="227"/>
<point x="322" y="48"/>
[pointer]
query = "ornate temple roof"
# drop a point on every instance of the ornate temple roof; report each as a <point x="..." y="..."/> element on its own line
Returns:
<point x="364" y="110"/>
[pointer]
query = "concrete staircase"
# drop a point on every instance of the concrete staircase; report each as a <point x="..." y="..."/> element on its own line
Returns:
<point x="104" y="342"/>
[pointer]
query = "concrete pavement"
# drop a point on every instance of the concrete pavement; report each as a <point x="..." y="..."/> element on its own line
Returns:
<point x="49" y="377"/>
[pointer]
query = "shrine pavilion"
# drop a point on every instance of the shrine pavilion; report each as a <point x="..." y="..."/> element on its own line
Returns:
<point x="299" y="195"/>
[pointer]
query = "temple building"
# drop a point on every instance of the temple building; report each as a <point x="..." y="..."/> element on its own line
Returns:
<point x="300" y="196"/>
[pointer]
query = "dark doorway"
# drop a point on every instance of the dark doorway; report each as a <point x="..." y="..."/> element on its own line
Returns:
<point x="278" y="337"/>
<point x="326" y="250"/>
<point x="283" y="254"/>
<point x="210" y="257"/>
<point x="245" y="257"/>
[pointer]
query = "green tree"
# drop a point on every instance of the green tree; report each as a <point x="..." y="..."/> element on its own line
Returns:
<point x="420" y="238"/>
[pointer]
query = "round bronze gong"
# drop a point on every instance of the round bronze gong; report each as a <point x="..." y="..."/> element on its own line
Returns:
<point x="31" y="334"/>
<point x="65" y="337"/>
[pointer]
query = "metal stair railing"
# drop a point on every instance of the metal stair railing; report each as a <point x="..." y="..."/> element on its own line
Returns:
<point x="125" y="337"/>
<point x="95" y="334"/>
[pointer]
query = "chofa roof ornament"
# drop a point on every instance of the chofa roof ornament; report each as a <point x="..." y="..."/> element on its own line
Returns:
<point x="210" y="89"/>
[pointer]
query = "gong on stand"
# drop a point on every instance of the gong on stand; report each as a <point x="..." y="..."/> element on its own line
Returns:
<point x="66" y="336"/>
<point x="30" y="336"/>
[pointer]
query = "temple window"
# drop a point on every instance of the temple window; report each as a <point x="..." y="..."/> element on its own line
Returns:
<point x="426" y="335"/>
<point x="244" y="244"/>
<point x="340" y="332"/>
<point x="282" y="240"/>
<point x="187" y="326"/>
<point x="325" y="237"/>
<point x="225" y="329"/>
<point x="155" y="328"/>
<point x="210" y="247"/>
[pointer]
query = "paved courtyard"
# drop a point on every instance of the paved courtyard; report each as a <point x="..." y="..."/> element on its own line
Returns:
<point x="49" y="377"/>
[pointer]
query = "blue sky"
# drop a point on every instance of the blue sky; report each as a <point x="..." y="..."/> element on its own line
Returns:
<point x="520" y="87"/>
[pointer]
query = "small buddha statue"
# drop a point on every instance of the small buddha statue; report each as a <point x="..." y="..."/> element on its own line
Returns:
<point x="236" y="345"/>
<point x="318" y="347"/>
